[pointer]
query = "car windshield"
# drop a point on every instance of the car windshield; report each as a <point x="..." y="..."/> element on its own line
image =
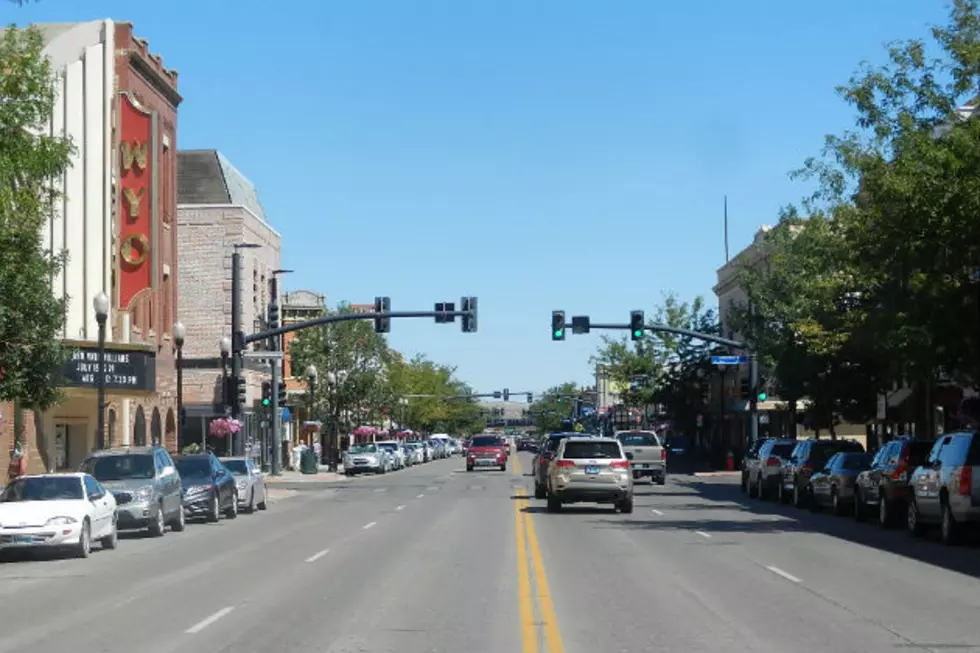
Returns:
<point x="120" y="467"/>
<point x="390" y="446"/>
<point x="576" y="450"/>
<point x="236" y="467"/>
<point x="639" y="439"/>
<point x="194" y="467"/>
<point x="782" y="450"/>
<point x="855" y="461"/>
<point x="486" y="441"/>
<point x="363" y="448"/>
<point x="43" y="488"/>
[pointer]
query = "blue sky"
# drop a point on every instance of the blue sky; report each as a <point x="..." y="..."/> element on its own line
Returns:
<point x="555" y="154"/>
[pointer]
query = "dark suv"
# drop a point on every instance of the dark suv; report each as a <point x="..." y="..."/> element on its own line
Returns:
<point x="885" y="487"/>
<point x="807" y="458"/>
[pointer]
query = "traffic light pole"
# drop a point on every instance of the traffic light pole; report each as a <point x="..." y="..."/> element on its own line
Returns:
<point x="276" y="364"/>
<point x="237" y="344"/>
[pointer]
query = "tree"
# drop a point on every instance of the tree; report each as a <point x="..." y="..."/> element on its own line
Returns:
<point x="448" y="409"/>
<point x="655" y="366"/>
<point x="552" y="407"/>
<point x="904" y="189"/>
<point x="31" y="317"/>
<point x="356" y="358"/>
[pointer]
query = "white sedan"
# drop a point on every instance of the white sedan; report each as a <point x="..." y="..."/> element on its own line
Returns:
<point x="57" y="511"/>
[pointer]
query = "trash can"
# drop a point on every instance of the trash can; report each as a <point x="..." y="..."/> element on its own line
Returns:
<point x="308" y="463"/>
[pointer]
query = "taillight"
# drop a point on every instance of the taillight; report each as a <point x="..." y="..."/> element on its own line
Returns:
<point x="620" y="464"/>
<point x="966" y="481"/>
<point x="663" y="454"/>
<point x="565" y="463"/>
<point x="900" y="473"/>
<point x="807" y="467"/>
<point x="772" y="461"/>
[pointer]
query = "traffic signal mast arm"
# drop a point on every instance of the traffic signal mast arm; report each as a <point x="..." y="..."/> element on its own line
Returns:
<point x="332" y="319"/>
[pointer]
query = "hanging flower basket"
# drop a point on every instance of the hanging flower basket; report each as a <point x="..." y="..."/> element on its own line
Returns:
<point x="223" y="427"/>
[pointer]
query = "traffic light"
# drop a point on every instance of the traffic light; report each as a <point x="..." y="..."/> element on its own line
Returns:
<point x="273" y="315"/>
<point x="506" y="394"/>
<point x="468" y="304"/>
<point x="636" y="325"/>
<point x="530" y="398"/>
<point x="282" y="393"/>
<point x="762" y="396"/>
<point x="744" y="389"/>
<point x="241" y="389"/>
<point x="266" y="393"/>
<point x="382" y="305"/>
<point x="557" y="325"/>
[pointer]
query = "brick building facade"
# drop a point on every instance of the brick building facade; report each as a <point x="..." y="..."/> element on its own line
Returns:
<point x="217" y="209"/>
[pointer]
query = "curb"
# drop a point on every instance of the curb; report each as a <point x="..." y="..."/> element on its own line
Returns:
<point x="722" y="474"/>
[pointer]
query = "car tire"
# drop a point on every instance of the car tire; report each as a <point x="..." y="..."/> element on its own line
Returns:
<point x="158" y="525"/>
<point x="503" y="468"/>
<point x="885" y="517"/>
<point x="540" y="492"/>
<point x="84" y="547"/>
<point x="469" y="468"/>
<point x="662" y="480"/>
<point x="250" y="508"/>
<point x="949" y="530"/>
<point x="860" y="512"/>
<point x="554" y="504"/>
<point x="214" y="510"/>
<point x="913" y="520"/>
<point x="180" y="522"/>
<point x="232" y="510"/>
<point x="263" y="504"/>
<point x="625" y="506"/>
<point x="111" y="540"/>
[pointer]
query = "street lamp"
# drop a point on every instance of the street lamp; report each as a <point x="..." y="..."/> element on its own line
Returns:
<point x="333" y="380"/>
<point x="224" y="346"/>
<point x="180" y="332"/>
<point x="101" y="305"/>
<point x="311" y="376"/>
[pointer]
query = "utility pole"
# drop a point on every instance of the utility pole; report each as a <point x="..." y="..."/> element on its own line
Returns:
<point x="237" y="333"/>
<point x="275" y="343"/>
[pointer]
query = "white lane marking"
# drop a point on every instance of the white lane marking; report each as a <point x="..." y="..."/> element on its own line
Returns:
<point x="201" y="625"/>
<point x="432" y="488"/>
<point x="371" y="525"/>
<point x="380" y="489"/>
<point x="400" y="508"/>
<point x="420" y="496"/>
<point x="317" y="556"/>
<point x="703" y="534"/>
<point x="780" y="572"/>
<point x="657" y="512"/>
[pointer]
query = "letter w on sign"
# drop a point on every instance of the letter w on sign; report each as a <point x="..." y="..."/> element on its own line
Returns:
<point x="133" y="153"/>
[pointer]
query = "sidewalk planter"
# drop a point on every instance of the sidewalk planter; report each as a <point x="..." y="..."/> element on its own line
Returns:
<point x="308" y="464"/>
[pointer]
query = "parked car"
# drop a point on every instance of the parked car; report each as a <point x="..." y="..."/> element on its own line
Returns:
<point x="833" y="484"/>
<point x="590" y="469"/>
<point x="145" y="484"/>
<point x="946" y="487"/>
<point x="764" y="469"/>
<point x="884" y="488"/>
<point x="396" y="451"/>
<point x="209" y="488"/>
<point x="807" y="457"/>
<point x="60" y="511"/>
<point x="250" y="481"/>
<point x="360" y="458"/>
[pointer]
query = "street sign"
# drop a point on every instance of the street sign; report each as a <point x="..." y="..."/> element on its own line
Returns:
<point x="729" y="360"/>
<point x="263" y="355"/>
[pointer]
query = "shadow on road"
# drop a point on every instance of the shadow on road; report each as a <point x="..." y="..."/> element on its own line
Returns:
<point x="767" y="517"/>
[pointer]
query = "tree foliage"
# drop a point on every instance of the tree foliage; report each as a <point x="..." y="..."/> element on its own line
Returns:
<point x="878" y="284"/>
<point x="31" y="317"/>
<point x="361" y="377"/>
<point x="654" y="367"/>
<point x="553" y="406"/>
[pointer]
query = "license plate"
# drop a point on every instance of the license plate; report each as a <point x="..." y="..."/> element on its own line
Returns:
<point x="486" y="461"/>
<point x="641" y="466"/>
<point x="591" y="469"/>
<point x="22" y="539"/>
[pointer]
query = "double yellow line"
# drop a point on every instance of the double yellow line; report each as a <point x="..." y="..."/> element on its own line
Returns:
<point x="538" y="627"/>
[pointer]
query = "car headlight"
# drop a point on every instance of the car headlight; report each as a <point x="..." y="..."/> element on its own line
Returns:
<point x="242" y="484"/>
<point x="198" y="489"/>
<point x="60" y="520"/>
<point x="145" y="493"/>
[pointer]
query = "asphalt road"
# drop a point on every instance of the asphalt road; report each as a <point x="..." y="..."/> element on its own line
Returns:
<point x="434" y="559"/>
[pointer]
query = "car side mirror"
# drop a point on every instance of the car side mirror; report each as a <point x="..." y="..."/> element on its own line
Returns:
<point x="95" y="497"/>
<point x="629" y="456"/>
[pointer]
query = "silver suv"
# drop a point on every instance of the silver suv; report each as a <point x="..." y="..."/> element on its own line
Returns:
<point x="590" y="469"/>
<point x="145" y="483"/>
<point x="946" y="487"/>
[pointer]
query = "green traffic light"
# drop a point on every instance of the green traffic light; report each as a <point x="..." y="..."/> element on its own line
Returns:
<point x="558" y="333"/>
<point x="266" y="402"/>
<point x="637" y="334"/>
<point x="762" y="396"/>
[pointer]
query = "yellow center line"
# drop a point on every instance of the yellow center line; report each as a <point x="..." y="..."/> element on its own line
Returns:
<point x="525" y="600"/>
<point x="552" y="636"/>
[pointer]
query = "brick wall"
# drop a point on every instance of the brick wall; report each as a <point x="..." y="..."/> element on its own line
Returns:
<point x="35" y="462"/>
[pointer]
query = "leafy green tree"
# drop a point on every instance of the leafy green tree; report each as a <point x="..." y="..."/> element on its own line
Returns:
<point x="553" y="406"/>
<point x="356" y="358"/>
<point x="903" y="188"/>
<point x="448" y="409"/>
<point x="31" y="317"/>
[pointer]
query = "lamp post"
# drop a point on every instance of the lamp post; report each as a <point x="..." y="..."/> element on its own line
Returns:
<point x="101" y="305"/>
<point x="179" y="333"/>
<point x="311" y="376"/>
<point x="334" y="380"/>
<point x="224" y="346"/>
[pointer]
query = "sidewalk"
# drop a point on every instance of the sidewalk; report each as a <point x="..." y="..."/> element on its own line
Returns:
<point x="322" y="476"/>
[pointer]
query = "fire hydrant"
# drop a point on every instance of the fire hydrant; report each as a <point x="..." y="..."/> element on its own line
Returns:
<point x="730" y="461"/>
